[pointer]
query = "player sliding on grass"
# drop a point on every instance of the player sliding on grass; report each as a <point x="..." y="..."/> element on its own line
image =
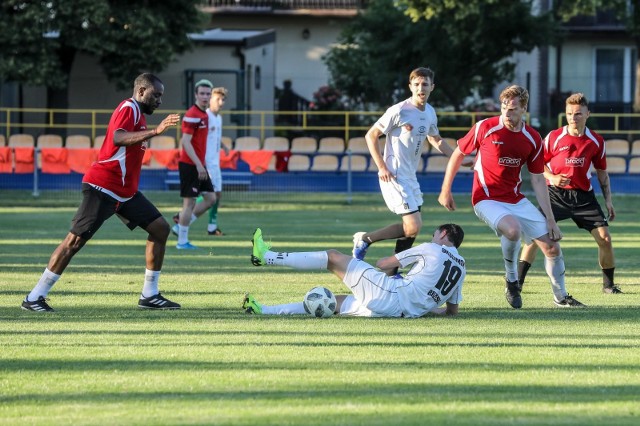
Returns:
<point x="435" y="278"/>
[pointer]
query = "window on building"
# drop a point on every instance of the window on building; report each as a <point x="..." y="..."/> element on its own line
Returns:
<point x="615" y="74"/>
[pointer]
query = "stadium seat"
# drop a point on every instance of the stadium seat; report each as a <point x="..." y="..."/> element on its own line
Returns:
<point x="634" y="165"/>
<point x="77" y="141"/>
<point x="98" y="141"/>
<point x="358" y="145"/>
<point x="21" y="140"/>
<point x="331" y="145"/>
<point x="247" y="143"/>
<point x="3" y="141"/>
<point x="616" y="164"/>
<point x="635" y="147"/>
<point x="324" y="163"/>
<point x="359" y="163"/>
<point x="304" y="145"/>
<point x="617" y="146"/>
<point x="276" y="143"/>
<point x="49" y="141"/>
<point x="299" y="163"/>
<point x="227" y="141"/>
<point x="437" y="163"/>
<point x="162" y="142"/>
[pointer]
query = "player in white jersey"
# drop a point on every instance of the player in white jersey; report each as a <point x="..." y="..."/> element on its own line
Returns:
<point x="212" y="156"/>
<point x="435" y="278"/>
<point x="405" y="126"/>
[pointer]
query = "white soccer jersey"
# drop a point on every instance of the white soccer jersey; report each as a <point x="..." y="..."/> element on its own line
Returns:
<point x="214" y="139"/>
<point x="406" y="128"/>
<point x="436" y="277"/>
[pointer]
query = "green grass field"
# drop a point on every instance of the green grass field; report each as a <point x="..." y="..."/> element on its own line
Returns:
<point x="99" y="360"/>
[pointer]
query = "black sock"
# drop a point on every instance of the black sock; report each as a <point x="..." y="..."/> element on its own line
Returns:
<point x="523" y="268"/>
<point x="607" y="277"/>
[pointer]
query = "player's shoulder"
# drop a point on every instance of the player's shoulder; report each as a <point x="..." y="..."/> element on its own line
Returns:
<point x="592" y="134"/>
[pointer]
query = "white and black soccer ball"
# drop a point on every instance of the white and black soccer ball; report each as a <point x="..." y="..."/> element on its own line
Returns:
<point x="320" y="302"/>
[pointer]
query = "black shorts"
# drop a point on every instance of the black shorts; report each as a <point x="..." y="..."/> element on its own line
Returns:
<point x="580" y="206"/>
<point x="190" y="185"/>
<point x="96" y="207"/>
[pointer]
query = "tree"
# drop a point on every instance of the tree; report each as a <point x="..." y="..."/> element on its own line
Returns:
<point x="627" y="11"/>
<point x="39" y="40"/>
<point x="468" y="45"/>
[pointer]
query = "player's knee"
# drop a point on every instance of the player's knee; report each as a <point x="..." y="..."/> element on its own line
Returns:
<point x="411" y="230"/>
<point x="512" y="233"/>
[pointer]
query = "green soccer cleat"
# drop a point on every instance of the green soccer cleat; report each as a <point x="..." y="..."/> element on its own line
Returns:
<point x="251" y="305"/>
<point x="259" y="248"/>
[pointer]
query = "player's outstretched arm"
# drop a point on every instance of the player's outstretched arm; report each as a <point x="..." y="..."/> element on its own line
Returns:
<point x="446" y="197"/>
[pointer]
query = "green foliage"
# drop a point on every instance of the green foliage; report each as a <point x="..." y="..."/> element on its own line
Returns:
<point x="468" y="45"/>
<point x="39" y="39"/>
<point x="99" y="360"/>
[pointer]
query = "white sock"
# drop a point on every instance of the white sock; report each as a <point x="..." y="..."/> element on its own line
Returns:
<point x="510" y="250"/>
<point x="193" y="218"/>
<point x="298" y="260"/>
<point x="211" y="227"/>
<point x="286" y="309"/>
<point x="555" y="270"/>
<point x="46" y="281"/>
<point x="183" y="234"/>
<point x="150" y="287"/>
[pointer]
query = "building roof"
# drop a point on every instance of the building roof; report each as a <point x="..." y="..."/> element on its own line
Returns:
<point x="225" y="37"/>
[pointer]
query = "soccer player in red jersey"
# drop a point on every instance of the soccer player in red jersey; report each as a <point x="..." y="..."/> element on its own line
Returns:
<point x="504" y="144"/>
<point x="569" y="153"/>
<point x="110" y="187"/>
<point x="194" y="179"/>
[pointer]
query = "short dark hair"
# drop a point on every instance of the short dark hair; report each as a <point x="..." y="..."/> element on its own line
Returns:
<point x="423" y="72"/>
<point x="455" y="234"/>
<point x="146" y="80"/>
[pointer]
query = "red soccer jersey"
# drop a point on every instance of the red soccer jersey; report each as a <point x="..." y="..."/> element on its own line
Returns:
<point x="118" y="167"/>
<point x="501" y="155"/>
<point x="195" y="123"/>
<point x="573" y="156"/>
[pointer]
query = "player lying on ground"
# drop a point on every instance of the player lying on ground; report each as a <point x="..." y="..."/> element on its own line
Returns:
<point x="435" y="278"/>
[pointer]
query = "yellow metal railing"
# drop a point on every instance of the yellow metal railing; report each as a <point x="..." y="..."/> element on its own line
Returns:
<point x="610" y="123"/>
<point x="265" y="123"/>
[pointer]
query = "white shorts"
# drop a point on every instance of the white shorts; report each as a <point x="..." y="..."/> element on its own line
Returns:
<point x="215" y="176"/>
<point x="373" y="292"/>
<point x="402" y="196"/>
<point x="532" y="222"/>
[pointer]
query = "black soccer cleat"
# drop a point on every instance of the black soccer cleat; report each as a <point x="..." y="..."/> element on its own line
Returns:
<point x="611" y="289"/>
<point x="39" y="305"/>
<point x="569" y="302"/>
<point x="512" y="294"/>
<point x="157" y="302"/>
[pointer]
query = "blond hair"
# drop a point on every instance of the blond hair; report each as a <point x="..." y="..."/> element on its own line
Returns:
<point x="515" y="91"/>
<point x="577" y="99"/>
<point x="219" y="91"/>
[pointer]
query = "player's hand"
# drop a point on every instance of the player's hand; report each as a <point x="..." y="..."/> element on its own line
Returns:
<point x="446" y="200"/>
<point x="560" y="180"/>
<point x="202" y="172"/>
<point x="612" y="212"/>
<point x="169" y="121"/>
<point x="554" y="231"/>
<point x="385" y="175"/>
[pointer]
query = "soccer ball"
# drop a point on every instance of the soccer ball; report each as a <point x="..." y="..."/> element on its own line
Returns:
<point x="320" y="302"/>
